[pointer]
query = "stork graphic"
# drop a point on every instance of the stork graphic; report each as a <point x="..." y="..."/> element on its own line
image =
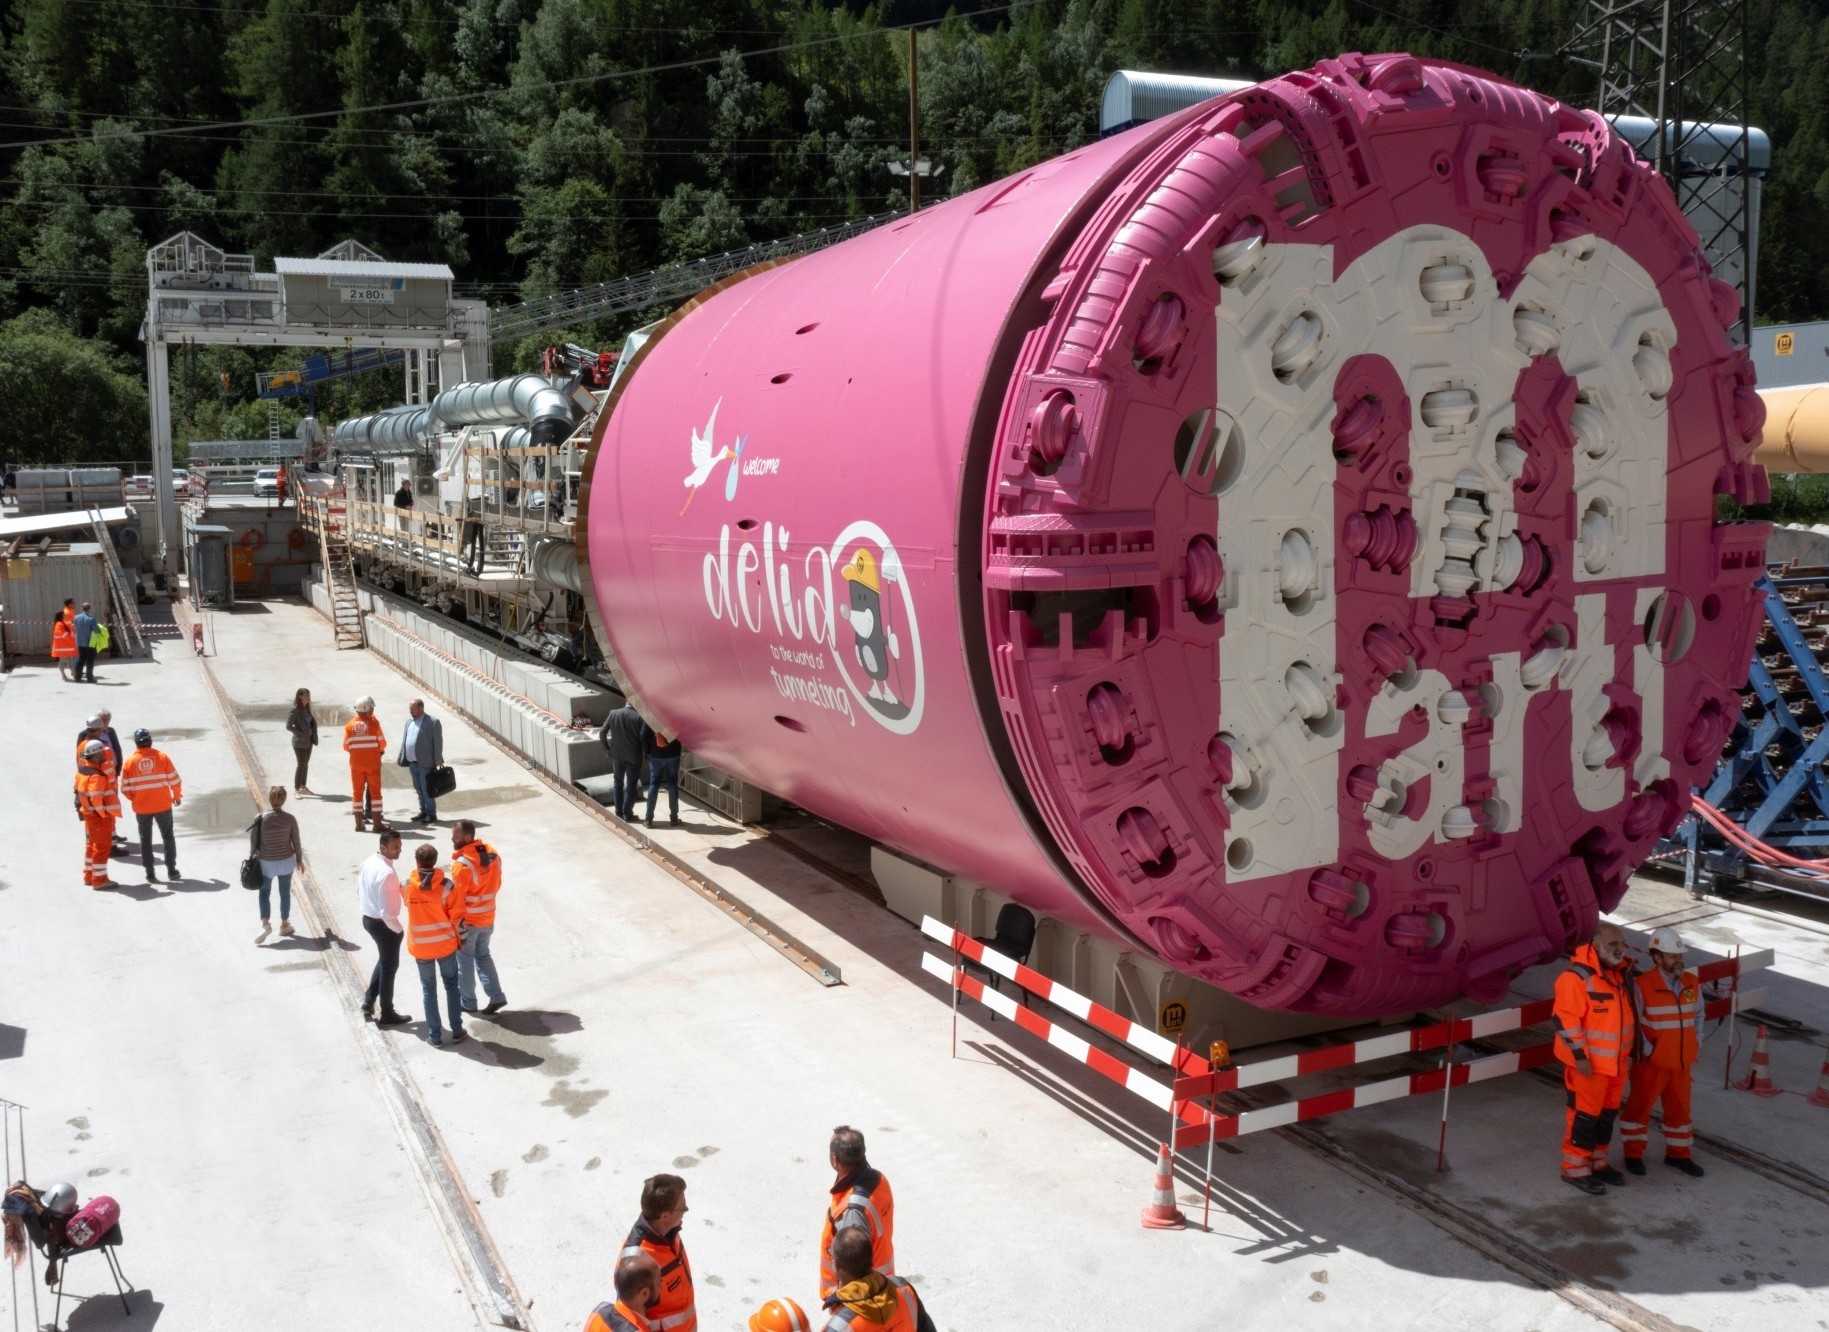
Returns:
<point x="704" y="459"/>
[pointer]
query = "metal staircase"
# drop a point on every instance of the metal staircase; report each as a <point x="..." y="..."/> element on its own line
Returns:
<point x="339" y="568"/>
<point x="126" y="607"/>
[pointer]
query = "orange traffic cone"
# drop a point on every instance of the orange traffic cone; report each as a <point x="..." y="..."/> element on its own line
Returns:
<point x="1821" y="1095"/>
<point x="1162" y="1214"/>
<point x="1759" y="1079"/>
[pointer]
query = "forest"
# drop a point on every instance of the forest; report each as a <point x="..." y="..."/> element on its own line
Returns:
<point x="538" y="145"/>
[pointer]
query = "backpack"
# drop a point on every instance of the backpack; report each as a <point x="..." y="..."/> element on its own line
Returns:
<point x="86" y="1228"/>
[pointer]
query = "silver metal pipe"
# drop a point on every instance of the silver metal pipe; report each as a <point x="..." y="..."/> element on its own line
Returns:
<point x="554" y="562"/>
<point x="518" y="398"/>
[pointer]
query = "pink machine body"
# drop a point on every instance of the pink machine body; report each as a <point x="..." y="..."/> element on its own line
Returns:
<point x="1282" y="537"/>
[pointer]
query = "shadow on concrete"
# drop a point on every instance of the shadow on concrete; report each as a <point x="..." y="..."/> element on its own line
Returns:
<point x="312" y="944"/>
<point x="188" y="885"/>
<point x="484" y="1051"/>
<point x="141" y="892"/>
<point x="534" y="1022"/>
<point x="12" y="1042"/>
<point x="104" y="1310"/>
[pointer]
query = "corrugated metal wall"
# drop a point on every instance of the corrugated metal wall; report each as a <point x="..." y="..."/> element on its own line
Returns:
<point x="32" y="591"/>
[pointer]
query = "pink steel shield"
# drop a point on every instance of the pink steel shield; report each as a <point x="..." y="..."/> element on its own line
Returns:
<point x="1282" y="537"/>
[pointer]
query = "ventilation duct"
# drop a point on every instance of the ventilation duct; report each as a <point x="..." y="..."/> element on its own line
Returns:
<point x="553" y="561"/>
<point x="519" y="398"/>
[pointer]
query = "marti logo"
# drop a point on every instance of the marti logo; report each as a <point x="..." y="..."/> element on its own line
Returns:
<point x="802" y="594"/>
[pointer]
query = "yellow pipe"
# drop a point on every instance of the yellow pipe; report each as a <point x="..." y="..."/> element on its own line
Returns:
<point x="1796" y="435"/>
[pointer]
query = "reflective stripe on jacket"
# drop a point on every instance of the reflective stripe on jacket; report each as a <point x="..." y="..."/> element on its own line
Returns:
<point x="432" y="912"/>
<point x="95" y="796"/>
<point x="363" y="740"/>
<point x="1671" y="1020"/>
<point x="476" y="868"/>
<point x="617" y="1317"/>
<point x="674" y="1311"/>
<point x="905" y="1318"/>
<point x="105" y="762"/>
<point x="1593" y="1015"/>
<point x="862" y="1199"/>
<point x="150" y="782"/>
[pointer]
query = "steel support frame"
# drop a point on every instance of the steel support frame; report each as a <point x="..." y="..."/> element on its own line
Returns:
<point x="1682" y="65"/>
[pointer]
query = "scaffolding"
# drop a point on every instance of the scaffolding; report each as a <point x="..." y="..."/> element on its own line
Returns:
<point x="1673" y="77"/>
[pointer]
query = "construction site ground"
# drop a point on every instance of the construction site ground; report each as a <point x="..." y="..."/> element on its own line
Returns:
<point x="280" y="1162"/>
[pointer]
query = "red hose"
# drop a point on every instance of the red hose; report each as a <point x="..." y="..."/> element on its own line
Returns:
<point x="1755" y="848"/>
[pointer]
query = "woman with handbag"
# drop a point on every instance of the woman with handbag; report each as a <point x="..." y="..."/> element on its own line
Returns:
<point x="303" y="724"/>
<point x="274" y="839"/>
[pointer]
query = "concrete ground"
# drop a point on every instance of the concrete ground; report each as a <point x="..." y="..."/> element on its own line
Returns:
<point x="256" y="1145"/>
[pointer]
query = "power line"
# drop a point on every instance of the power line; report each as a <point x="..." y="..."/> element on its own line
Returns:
<point x="581" y="80"/>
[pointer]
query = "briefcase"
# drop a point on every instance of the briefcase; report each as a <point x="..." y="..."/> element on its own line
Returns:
<point x="441" y="781"/>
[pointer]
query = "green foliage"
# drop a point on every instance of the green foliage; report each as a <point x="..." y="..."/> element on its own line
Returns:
<point x="571" y="141"/>
<point x="65" y="401"/>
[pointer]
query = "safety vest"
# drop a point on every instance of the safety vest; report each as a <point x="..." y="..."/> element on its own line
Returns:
<point x="674" y="1311"/>
<point x="95" y="796"/>
<point x="861" y="1199"/>
<point x="1593" y="1015"/>
<point x="617" y="1317"/>
<point x="476" y="868"/>
<point x="105" y="762"/>
<point x="430" y="928"/>
<point x="63" y="639"/>
<point x="149" y="782"/>
<point x="1671" y="1019"/>
<point x="906" y="1318"/>
<point x="362" y="739"/>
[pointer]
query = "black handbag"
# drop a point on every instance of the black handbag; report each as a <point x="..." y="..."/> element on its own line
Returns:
<point x="251" y="876"/>
<point x="441" y="781"/>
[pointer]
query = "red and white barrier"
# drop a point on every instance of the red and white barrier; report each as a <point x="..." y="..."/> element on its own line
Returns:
<point x="1157" y="1093"/>
<point x="1137" y="1037"/>
<point x="1199" y="1080"/>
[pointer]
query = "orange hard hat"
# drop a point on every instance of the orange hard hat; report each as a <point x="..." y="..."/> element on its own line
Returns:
<point x="779" y="1316"/>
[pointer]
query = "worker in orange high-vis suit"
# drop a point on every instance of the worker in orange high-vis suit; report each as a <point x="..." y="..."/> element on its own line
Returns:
<point x="1670" y="1038"/>
<point x="637" y="1287"/>
<point x="1594" y="1035"/>
<point x="98" y="805"/>
<point x="860" y="1198"/>
<point x="364" y="742"/>
<point x="434" y="910"/>
<point x="656" y="1232"/>
<point x="151" y="785"/>
<point x="476" y="869"/>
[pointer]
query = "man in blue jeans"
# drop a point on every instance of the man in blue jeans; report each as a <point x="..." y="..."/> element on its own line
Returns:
<point x="663" y="770"/>
<point x="476" y="875"/>
<point x="622" y="736"/>
<point x="84" y="629"/>
<point x="422" y="748"/>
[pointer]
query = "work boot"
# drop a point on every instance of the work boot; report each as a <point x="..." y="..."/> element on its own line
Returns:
<point x="1609" y="1175"/>
<point x="1586" y="1183"/>
<point x="1635" y="1165"/>
<point x="151" y="877"/>
<point x="393" y="1019"/>
<point x="1687" y="1166"/>
<point x="171" y="872"/>
<point x="361" y="824"/>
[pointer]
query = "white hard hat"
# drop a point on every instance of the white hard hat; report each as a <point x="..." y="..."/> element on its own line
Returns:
<point x="60" y="1199"/>
<point x="1666" y="940"/>
<point x="94" y="748"/>
<point x="95" y="721"/>
<point x="365" y="704"/>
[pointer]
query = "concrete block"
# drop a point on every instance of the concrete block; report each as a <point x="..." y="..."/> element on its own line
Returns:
<point x="911" y="890"/>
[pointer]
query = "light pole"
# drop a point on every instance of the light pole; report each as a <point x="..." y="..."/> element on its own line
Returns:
<point x="920" y="167"/>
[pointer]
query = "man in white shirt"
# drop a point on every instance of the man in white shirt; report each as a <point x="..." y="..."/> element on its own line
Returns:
<point x="378" y="893"/>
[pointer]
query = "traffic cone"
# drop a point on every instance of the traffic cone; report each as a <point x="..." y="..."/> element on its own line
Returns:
<point x="1821" y="1095"/>
<point x="1162" y="1214"/>
<point x="1759" y="1078"/>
